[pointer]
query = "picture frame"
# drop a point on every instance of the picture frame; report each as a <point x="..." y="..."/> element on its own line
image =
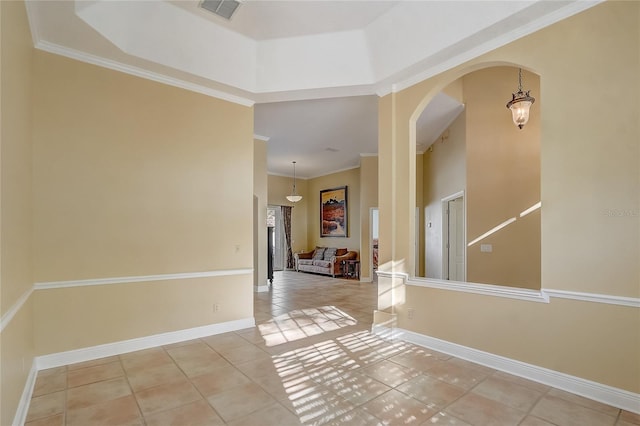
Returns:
<point x="334" y="212"/>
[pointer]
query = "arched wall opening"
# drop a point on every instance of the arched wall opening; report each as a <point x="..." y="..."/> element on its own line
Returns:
<point x="477" y="184"/>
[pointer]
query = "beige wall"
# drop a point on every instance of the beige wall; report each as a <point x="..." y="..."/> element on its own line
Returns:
<point x="306" y="213"/>
<point x="279" y="188"/>
<point x="350" y="178"/>
<point x="368" y="200"/>
<point x="260" y="202"/>
<point x="16" y="340"/>
<point x="498" y="167"/>
<point x="590" y="189"/>
<point x="502" y="179"/>
<point x="444" y="175"/>
<point x="112" y="313"/>
<point x="135" y="178"/>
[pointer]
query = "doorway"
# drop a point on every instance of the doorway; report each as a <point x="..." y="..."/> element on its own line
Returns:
<point x="453" y="238"/>
<point x="373" y="244"/>
<point x="278" y="240"/>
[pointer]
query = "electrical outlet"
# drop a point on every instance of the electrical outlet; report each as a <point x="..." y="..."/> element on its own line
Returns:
<point x="410" y="313"/>
<point x="216" y="307"/>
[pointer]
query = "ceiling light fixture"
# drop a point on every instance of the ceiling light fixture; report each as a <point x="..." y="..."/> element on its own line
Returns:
<point x="520" y="104"/>
<point x="294" y="197"/>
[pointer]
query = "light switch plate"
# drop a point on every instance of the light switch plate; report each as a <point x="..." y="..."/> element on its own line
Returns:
<point x="486" y="248"/>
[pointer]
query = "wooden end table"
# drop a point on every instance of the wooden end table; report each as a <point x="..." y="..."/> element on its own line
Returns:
<point x="351" y="269"/>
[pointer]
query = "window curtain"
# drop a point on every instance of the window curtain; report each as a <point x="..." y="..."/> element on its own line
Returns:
<point x="286" y="219"/>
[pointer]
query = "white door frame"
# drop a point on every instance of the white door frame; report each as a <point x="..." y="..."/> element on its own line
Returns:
<point x="445" y="233"/>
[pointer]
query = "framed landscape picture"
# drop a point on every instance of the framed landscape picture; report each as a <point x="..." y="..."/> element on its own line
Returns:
<point x="333" y="212"/>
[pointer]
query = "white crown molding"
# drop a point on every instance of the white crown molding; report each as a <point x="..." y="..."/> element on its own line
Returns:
<point x="316" y="176"/>
<point x="23" y="405"/>
<point x="396" y="81"/>
<point x="95" y="352"/>
<point x="335" y="171"/>
<point x="138" y="72"/>
<point x="616" y="397"/>
<point x="141" y="278"/>
<point x="13" y="310"/>
<point x="574" y="7"/>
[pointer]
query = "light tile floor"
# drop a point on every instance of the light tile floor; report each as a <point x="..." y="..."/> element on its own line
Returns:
<point x="310" y="360"/>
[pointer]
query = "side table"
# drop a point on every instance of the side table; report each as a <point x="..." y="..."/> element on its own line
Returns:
<point x="351" y="269"/>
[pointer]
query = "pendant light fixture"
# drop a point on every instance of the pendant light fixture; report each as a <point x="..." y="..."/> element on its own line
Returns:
<point x="520" y="104"/>
<point x="294" y="197"/>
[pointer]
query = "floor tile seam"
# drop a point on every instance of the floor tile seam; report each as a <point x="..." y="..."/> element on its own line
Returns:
<point x="583" y="405"/>
<point x="134" y="393"/>
<point x="204" y="398"/>
<point x="276" y="402"/>
<point x="135" y="398"/>
<point x="453" y="401"/>
<point x="97" y="380"/>
<point x="468" y="392"/>
<point x="66" y="394"/>
<point x="225" y="347"/>
<point x="529" y="410"/>
<point x="529" y="415"/>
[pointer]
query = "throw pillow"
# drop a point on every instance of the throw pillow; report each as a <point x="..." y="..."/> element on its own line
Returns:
<point x="342" y="252"/>
<point x="329" y="253"/>
<point x="318" y="254"/>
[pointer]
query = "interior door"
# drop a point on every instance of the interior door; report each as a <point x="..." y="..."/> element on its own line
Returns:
<point x="456" y="251"/>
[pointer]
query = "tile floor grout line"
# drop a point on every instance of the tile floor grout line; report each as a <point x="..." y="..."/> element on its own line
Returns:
<point x="133" y="394"/>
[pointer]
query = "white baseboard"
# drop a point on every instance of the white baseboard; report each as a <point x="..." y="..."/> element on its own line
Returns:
<point x="599" y="392"/>
<point x="94" y="352"/>
<point x="25" y="398"/>
<point x="263" y="288"/>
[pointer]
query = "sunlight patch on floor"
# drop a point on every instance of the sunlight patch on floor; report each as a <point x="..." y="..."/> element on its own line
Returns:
<point x="321" y="381"/>
<point x="302" y="323"/>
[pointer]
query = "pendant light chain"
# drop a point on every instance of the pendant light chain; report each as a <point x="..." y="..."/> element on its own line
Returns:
<point x="294" y="197"/>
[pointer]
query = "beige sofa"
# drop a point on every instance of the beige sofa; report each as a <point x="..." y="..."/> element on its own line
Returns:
<point x="324" y="260"/>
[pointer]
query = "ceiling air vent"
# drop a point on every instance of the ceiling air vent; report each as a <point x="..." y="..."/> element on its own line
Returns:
<point x="224" y="8"/>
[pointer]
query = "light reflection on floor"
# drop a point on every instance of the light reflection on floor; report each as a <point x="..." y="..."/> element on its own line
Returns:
<point x="302" y="323"/>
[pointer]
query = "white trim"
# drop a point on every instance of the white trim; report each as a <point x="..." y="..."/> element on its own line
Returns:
<point x="139" y="72"/>
<point x="109" y="349"/>
<point x="261" y="138"/>
<point x="616" y="397"/>
<point x="609" y="299"/>
<point x="262" y="288"/>
<point x="543" y="295"/>
<point x="142" y="278"/>
<point x="388" y="274"/>
<point x="531" y="27"/>
<point x="23" y="405"/>
<point x="384" y="331"/>
<point x="483" y="289"/>
<point x="334" y="171"/>
<point x="8" y="316"/>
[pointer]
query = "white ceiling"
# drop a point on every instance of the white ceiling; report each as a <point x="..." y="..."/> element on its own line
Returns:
<point x="262" y="20"/>
<point x="314" y="68"/>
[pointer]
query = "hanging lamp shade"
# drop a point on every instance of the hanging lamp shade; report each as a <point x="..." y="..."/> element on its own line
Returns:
<point x="520" y="104"/>
<point x="294" y="197"/>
